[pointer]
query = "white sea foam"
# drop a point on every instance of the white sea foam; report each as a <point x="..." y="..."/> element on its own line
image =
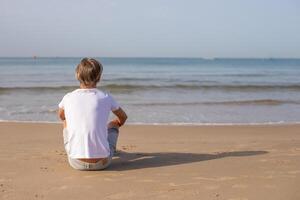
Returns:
<point x="169" y="124"/>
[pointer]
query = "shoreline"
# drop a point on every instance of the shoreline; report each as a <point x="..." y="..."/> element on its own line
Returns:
<point x="172" y="124"/>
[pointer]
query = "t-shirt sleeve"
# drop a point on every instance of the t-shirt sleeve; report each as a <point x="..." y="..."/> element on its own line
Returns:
<point x="114" y="105"/>
<point x="62" y="102"/>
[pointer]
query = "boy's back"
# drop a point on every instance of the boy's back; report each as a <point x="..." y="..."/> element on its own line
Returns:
<point x="90" y="141"/>
<point x="87" y="112"/>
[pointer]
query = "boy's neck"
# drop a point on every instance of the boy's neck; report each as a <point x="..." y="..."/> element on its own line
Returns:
<point x="82" y="86"/>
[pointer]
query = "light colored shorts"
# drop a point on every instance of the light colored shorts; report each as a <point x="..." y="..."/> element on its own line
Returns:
<point x="113" y="134"/>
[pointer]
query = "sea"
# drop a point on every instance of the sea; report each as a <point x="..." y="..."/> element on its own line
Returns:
<point x="184" y="91"/>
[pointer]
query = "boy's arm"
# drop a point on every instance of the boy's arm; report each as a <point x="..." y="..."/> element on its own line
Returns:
<point x="121" y="117"/>
<point x="61" y="114"/>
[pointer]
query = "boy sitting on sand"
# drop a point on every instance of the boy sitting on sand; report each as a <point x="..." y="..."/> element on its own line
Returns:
<point x="89" y="141"/>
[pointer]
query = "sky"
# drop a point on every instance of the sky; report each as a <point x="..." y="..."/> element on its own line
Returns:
<point x="155" y="28"/>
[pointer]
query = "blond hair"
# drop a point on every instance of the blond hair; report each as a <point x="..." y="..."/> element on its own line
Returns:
<point x="89" y="71"/>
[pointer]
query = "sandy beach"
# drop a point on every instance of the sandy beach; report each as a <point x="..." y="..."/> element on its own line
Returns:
<point x="156" y="162"/>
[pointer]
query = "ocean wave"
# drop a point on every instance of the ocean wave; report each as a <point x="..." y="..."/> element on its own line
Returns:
<point x="256" y="102"/>
<point x="136" y="87"/>
<point x="269" y="123"/>
<point x="196" y="77"/>
<point x="36" y="88"/>
<point x="263" y="102"/>
<point x="24" y="112"/>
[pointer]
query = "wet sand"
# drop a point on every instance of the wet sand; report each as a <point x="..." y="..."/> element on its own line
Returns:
<point x="156" y="162"/>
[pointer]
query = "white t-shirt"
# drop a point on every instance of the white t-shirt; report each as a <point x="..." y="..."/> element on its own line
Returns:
<point x="87" y="112"/>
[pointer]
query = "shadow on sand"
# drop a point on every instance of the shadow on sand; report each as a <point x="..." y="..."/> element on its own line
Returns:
<point x="130" y="161"/>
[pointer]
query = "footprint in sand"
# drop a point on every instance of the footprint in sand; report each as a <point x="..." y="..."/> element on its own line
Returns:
<point x="2" y="188"/>
<point x="44" y="168"/>
<point x="5" y="190"/>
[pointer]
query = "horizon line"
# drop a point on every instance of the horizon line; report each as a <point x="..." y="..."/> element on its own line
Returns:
<point x="147" y="57"/>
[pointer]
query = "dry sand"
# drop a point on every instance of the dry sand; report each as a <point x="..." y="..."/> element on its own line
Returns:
<point x="156" y="162"/>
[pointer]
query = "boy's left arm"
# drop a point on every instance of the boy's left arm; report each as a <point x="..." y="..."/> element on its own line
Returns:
<point x="61" y="115"/>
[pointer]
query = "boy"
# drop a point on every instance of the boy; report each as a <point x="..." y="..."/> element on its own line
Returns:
<point x="89" y="142"/>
